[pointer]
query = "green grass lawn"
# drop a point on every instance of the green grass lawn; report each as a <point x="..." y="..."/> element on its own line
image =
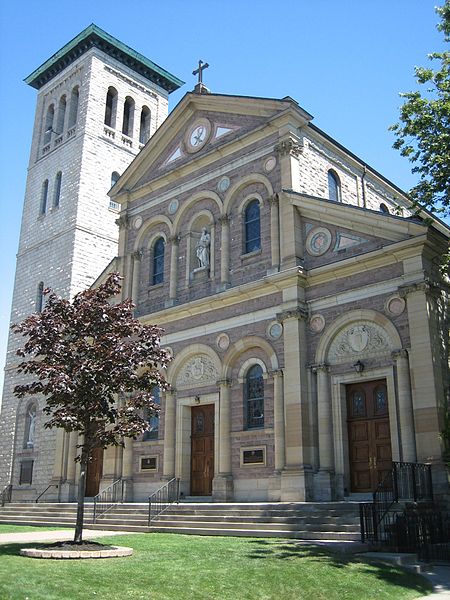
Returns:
<point x="7" y="528"/>
<point x="169" y="566"/>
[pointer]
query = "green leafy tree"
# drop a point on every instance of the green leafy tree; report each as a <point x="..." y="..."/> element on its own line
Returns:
<point x="423" y="133"/>
<point x="96" y="365"/>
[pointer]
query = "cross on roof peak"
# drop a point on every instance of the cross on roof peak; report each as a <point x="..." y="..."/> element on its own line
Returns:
<point x="200" y="88"/>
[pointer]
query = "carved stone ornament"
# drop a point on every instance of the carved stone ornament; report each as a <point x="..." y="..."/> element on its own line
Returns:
<point x="122" y="221"/>
<point x="361" y="339"/>
<point x="287" y="147"/>
<point x="137" y="223"/>
<point x="395" y="305"/>
<point x="318" y="241"/>
<point x="270" y="164"/>
<point x="298" y="312"/>
<point x="317" y="323"/>
<point x="222" y="341"/>
<point x="199" y="370"/>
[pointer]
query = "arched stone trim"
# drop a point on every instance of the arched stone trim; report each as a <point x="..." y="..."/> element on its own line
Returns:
<point x="203" y="195"/>
<point x="354" y="316"/>
<point x="249" y="179"/>
<point x="249" y="363"/>
<point x="157" y="234"/>
<point x="187" y="354"/>
<point x="241" y="346"/>
<point x="243" y="205"/>
<point x="148" y="225"/>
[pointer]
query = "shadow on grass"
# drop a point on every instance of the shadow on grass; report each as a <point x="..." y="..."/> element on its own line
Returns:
<point x="393" y="574"/>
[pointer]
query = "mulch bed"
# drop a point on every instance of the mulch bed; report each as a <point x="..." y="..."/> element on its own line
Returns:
<point x="88" y="546"/>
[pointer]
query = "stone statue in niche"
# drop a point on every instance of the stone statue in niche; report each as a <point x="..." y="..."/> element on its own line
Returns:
<point x="31" y="426"/>
<point x="202" y="249"/>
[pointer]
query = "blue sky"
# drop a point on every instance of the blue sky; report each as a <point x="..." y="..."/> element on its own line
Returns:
<point x="344" y="61"/>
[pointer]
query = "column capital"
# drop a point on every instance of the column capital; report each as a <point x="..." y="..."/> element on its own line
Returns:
<point x="298" y="312"/>
<point x="319" y="368"/>
<point x="137" y="254"/>
<point x="289" y="147"/>
<point x="402" y="353"/>
<point x="224" y="382"/>
<point x="421" y="286"/>
<point x="174" y="240"/>
<point x="123" y="222"/>
<point x="276" y="373"/>
<point x="274" y="199"/>
<point x="224" y="220"/>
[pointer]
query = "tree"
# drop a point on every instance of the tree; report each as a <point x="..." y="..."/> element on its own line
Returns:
<point x="423" y="133"/>
<point x="96" y="365"/>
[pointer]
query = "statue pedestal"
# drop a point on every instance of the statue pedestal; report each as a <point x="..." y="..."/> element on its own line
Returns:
<point x="200" y="274"/>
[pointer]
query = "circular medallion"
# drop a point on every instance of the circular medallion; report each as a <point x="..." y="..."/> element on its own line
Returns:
<point x="223" y="341"/>
<point x="395" y="306"/>
<point x="173" y="206"/>
<point x="358" y="338"/>
<point x="275" y="330"/>
<point x="197" y="135"/>
<point x="137" y="222"/>
<point x="169" y="351"/>
<point x="317" y="323"/>
<point x="223" y="184"/>
<point x="269" y="164"/>
<point x="318" y="241"/>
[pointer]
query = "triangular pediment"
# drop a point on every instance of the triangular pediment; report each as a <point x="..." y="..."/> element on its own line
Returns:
<point x="195" y="130"/>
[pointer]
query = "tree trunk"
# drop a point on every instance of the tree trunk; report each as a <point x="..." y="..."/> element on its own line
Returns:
<point x="81" y="491"/>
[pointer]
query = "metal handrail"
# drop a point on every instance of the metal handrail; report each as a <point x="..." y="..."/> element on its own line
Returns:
<point x="46" y="490"/>
<point x="108" y="498"/>
<point x="166" y="495"/>
<point x="6" y="494"/>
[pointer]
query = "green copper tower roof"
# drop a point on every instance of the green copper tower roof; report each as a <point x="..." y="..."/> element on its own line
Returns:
<point x="94" y="37"/>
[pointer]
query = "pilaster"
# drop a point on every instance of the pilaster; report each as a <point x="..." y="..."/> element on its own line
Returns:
<point x="405" y="407"/>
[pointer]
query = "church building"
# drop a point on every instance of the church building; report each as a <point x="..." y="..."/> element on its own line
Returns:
<point x="301" y="299"/>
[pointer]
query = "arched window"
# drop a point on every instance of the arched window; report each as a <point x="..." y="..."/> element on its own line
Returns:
<point x="252" y="227"/>
<point x="111" y="107"/>
<point x="40" y="297"/>
<point x="48" y="130"/>
<point x="74" y="99"/>
<point x="128" y="116"/>
<point x="153" y="420"/>
<point x="254" y="398"/>
<point x="57" y="192"/>
<point x="384" y="208"/>
<point x="114" y="178"/>
<point x="44" y="196"/>
<point x="334" y="186"/>
<point x="29" y="439"/>
<point x="158" y="261"/>
<point x="61" y="115"/>
<point x="144" y="129"/>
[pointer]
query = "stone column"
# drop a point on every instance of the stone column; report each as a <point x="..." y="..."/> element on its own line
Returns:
<point x="279" y="427"/>
<point x="296" y="480"/>
<point x="223" y="483"/>
<point x="405" y="408"/>
<point x="127" y="469"/>
<point x="323" y="481"/>
<point x="71" y="465"/>
<point x="275" y="232"/>
<point x="174" y="241"/>
<point x="59" y="466"/>
<point x="136" y="275"/>
<point x="169" y="435"/>
<point x="225" y="251"/>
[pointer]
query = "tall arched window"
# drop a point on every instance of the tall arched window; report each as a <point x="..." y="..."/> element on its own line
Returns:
<point x="384" y="208"/>
<point x="254" y="398"/>
<point x="128" y="116"/>
<point x="111" y="107"/>
<point x="334" y="186"/>
<point x="57" y="192"/>
<point x="44" y="196"/>
<point x="49" y="124"/>
<point x="252" y="227"/>
<point x="158" y="261"/>
<point x="73" y="111"/>
<point x="61" y="115"/>
<point x="153" y="420"/>
<point x="114" y="178"/>
<point x="40" y="297"/>
<point x="144" y="129"/>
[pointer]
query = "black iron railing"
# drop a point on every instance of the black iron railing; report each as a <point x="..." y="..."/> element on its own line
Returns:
<point x="161" y="499"/>
<point x="405" y="482"/>
<point x="108" y="498"/>
<point x="6" y="495"/>
<point x="46" y="490"/>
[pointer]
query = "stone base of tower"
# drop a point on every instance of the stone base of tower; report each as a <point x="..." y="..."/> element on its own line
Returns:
<point x="296" y="485"/>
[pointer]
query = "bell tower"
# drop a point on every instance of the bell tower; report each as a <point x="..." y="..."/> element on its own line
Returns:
<point x="98" y="103"/>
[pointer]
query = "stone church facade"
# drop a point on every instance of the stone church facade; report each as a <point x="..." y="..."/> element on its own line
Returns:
<point x="302" y="305"/>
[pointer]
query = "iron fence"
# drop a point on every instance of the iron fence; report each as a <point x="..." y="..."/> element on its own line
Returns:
<point x="107" y="498"/>
<point x="166" y="495"/>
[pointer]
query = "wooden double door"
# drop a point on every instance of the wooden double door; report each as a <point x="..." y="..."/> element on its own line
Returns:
<point x="368" y="434"/>
<point x="202" y="450"/>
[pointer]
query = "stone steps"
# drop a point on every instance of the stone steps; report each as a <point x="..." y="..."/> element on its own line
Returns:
<point x="337" y="521"/>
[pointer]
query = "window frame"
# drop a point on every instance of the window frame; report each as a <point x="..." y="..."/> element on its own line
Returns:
<point x="252" y="244"/>
<point x="251" y="402"/>
<point x="157" y="275"/>
<point x="337" y="187"/>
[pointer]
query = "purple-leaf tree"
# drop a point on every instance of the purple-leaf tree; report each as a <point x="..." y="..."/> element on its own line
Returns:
<point x="96" y="365"/>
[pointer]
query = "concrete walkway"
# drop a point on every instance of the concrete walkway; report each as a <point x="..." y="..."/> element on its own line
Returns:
<point x="26" y="537"/>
